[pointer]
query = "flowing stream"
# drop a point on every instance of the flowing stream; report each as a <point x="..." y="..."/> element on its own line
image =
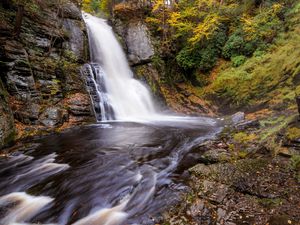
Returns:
<point x="125" y="170"/>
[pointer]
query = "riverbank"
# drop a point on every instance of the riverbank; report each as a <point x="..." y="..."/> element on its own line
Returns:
<point x="249" y="175"/>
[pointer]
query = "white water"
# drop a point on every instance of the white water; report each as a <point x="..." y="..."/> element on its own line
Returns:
<point x="129" y="98"/>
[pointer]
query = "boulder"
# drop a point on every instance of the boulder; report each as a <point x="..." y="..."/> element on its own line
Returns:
<point x="54" y="116"/>
<point x="140" y="48"/>
<point x="248" y="124"/>
<point x="70" y="10"/>
<point x="238" y="117"/>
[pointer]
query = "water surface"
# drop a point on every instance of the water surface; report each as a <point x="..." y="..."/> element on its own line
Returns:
<point x="109" y="173"/>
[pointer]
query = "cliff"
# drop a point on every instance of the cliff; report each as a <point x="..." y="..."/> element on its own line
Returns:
<point x="41" y="88"/>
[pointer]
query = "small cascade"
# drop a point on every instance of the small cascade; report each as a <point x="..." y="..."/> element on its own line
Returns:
<point x="94" y="77"/>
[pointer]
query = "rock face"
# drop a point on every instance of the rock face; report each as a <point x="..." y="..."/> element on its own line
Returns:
<point x="137" y="40"/>
<point x="40" y="69"/>
<point x="7" y="128"/>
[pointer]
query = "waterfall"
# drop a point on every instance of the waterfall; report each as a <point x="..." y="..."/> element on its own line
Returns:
<point x="115" y="93"/>
<point x="94" y="76"/>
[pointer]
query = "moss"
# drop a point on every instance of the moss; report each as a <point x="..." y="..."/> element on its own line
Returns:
<point x="242" y="154"/>
<point x="293" y="133"/>
<point x="10" y="138"/>
<point x="157" y="62"/>
<point x="55" y="88"/>
<point x="244" y="138"/>
<point x="251" y="165"/>
<point x="70" y="56"/>
<point x="295" y="162"/>
<point x="277" y="125"/>
<point x="270" y="203"/>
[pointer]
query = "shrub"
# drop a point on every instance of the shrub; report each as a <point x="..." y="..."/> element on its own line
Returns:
<point x="233" y="46"/>
<point x="238" y="60"/>
<point x="202" y="57"/>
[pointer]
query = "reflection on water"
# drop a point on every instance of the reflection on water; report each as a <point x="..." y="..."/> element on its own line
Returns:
<point x="111" y="173"/>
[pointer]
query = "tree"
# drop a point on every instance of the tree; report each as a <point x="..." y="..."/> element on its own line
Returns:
<point x="21" y="4"/>
<point x="19" y="18"/>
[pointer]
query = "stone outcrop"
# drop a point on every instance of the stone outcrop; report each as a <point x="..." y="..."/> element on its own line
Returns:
<point x="137" y="41"/>
<point x="40" y="70"/>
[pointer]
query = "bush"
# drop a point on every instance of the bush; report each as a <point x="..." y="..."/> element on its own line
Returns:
<point x="233" y="46"/>
<point x="185" y="59"/>
<point x="238" y="60"/>
<point x="202" y="57"/>
<point x="236" y="45"/>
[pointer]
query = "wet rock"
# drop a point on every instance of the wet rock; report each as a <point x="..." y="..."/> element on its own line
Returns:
<point x="54" y="116"/>
<point x="248" y="124"/>
<point x="238" y="117"/>
<point x="215" y="155"/>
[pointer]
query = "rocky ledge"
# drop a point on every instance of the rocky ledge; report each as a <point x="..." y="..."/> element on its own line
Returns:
<point x="249" y="175"/>
<point x="41" y="88"/>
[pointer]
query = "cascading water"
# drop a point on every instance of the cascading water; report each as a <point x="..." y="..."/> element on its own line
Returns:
<point x="94" y="76"/>
<point x="129" y="99"/>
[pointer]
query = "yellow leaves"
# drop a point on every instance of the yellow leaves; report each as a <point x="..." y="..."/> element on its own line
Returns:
<point x="206" y="28"/>
<point x="249" y="26"/>
<point x="207" y="3"/>
<point x="189" y="12"/>
<point x="277" y="7"/>
<point x="152" y="20"/>
<point x="86" y="5"/>
<point x="157" y="5"/>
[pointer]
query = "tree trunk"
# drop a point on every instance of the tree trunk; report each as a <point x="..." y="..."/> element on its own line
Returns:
<point x="19" y="18"/>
